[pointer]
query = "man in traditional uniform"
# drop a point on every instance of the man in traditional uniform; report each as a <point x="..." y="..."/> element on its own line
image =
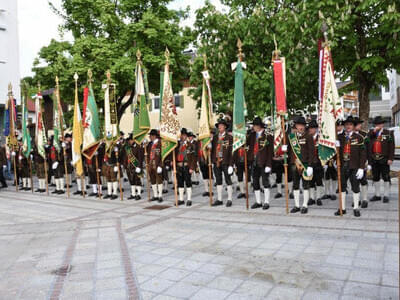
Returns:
<point x="67" y="145"/>
<point x="185" y="166"/>
<point x="40" y="170"/>
<point x="3" y="166"/>
<point x="363" y="181"/>
<point x="353" y="156"/>
<point x="155" y="165"/>
<point x="191" y="138"/>
<point x="316" y="186"/>
<point x="238" y="161"/>
<point x="132" y="157"/>
<point x="380" y="157"/>
<point x="202" y="159"/>
<point x="57" y="165"/>
<point x="302" y="152"/>
<point x="261" y="149"/>
<point x="23" y="167"/>
<point x="221" y="156"/>
<point x="94" y="168"/>
<point x="110" y="170"/>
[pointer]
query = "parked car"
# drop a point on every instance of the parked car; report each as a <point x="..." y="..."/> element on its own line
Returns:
<point x="396" y="132"/>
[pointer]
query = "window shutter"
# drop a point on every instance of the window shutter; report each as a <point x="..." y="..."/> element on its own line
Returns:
<point x="181" y="101"/>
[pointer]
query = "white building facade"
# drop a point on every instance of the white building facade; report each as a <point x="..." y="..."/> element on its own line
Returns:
<point x="9" y="50"/>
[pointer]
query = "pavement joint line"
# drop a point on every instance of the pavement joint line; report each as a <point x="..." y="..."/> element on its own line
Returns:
<point x="56" y="290"/>
<point x="130" y="276"/>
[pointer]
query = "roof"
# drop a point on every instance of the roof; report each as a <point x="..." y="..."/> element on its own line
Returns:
<point x="342" y="84"/>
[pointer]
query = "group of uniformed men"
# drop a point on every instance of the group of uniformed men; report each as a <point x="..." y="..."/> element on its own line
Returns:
<point x="359" y="152"/>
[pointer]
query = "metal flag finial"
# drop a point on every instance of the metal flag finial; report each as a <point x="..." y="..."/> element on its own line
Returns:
<point x="205" y="61"/>
<point x="89" y="74"/>
<point x="10" y="89"/>
<point x="76" y="76"/>
<point x="108" y="74"/>
<point x="138" y="54"/>
<point x="276" y="53"/>
<point x="324" y="29"/>
<point x="239" y="45"/>
<point x="57" y="80"/>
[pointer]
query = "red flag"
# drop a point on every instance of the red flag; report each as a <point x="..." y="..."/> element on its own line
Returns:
<point x="280" y="93"/>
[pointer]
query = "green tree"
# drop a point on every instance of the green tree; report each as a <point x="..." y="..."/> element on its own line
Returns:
<point x="106" y="35"/>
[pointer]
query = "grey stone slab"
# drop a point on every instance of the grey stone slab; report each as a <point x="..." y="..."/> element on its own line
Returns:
<point x="209" y="293"/>
<point x="182" y="290"/>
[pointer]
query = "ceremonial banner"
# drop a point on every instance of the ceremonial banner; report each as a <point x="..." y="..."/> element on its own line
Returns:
<point x="141" y="120"/>
<point x="41" y="139"/>
<point x="162" y="88"/>
<point x="77" y="137"/>
<point x="110" y="115"/>
<point x="204" y="123"/>
<point x="169" y="124"/>
<point x="239" y="123"/>
<point x="57" y="120"/>
<point x="278" y="100"/>
<point x="330" y="109"/>
<point x="26" y="137"/>
<point x="91" y="124"/>
<point x="10" y="120"/>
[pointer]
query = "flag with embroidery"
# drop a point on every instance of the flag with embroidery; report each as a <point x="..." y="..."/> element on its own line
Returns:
<point x="26" y="137"/>
<point x="41" y="139"/>
<point x="77" y="137"/>
<point x="278" y="100"/>
<point x="205" y="122"/>
<point x="91" y="124"/>
<point x="239" y="123"/>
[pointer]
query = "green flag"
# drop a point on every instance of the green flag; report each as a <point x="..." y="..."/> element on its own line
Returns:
<point x="169" y="124"/>
<point x="141" y="120"/>
<point x="26" y="137"/>
<point x="91" y="124"/>
<point x="57" y="120"/>
<point x="239" y="123"/>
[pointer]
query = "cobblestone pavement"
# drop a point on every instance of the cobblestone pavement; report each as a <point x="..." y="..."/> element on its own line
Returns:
<point x="53" y="247"/>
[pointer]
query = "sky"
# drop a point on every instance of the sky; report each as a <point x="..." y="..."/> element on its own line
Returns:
<point x="37" y="25"/>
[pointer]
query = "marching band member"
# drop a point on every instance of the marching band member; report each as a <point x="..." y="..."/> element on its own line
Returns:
<point x="132" y="157"/>
<point x="380" y="157"/>
<point x="261" y="148"/>
<point x="221" y="156"/>
<point x="352" y="156"/>
<point x="363" y="181"/>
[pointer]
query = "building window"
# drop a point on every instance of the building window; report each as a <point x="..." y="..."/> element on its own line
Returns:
<point x="387" y="89"/>
<point x="156" y="103"/>
<point x="179" y="101"/>
<point x="375" y="96"/>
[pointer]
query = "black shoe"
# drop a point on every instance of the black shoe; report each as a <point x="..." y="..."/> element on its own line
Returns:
<point x="93" y="194"/>
<point x="55" y="192"/>
<point x="311" y="201"/>
<point x="164" y="191"/>
<point x="160" y="199"/>
<point x="237" y="189"/>
<point x="52" y="184"/>
<point x="273" y="186"/>
<point x="113" y="197"/>
<point x="278" y="195"/>
<point x="256" y="205"/>
<point x="241" y="195"/>
<point x="337" y="213"/>
<point x="319" y="202"/>
<point x="291" y="196"/>
<point x="42" y="191"/>
<point x="206" y="194"/>
<point x="103" y="188"/>
<point x="357" y="213"/>
<point x="385" y="199"/>
<point x="181" y="202"/>
<point x="333" y="197"/>
<point x="229" y="203"/>
<point x="325" y="197"/>
<point x="37" y="191"/>
<point x="107" y="196"/>
<point x="188" y="203"/>
<point x="101" y="195"/>
<point x="154" y="199"/>
<point x="294" y="210"/>
<point x="217" y="203"/>
<point x="364" y="204"/>
<point x="60" y="192"/>
<point x="375" y="198"/>
<point x="265" y="206"/>
<point x="77" y="193"/>
<point x="169" y="182"/>
<point x="195" y="182"/>
<point x="131" y="197"/>
<point x="337" y="191"/>
<point x="137" y="197"/>
<point x="304" y="210"/>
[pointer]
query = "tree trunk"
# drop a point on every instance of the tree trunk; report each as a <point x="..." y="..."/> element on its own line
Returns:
<point x="363" y="104"/>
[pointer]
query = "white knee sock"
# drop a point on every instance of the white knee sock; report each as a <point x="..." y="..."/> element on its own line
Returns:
<point x="206" y="184"/>
<point x="79" y="183"/>
<point x="364" y="192"/>
<point x="219" y="192"/>
<point x="241" y="186"/>
<point x="296" y="195"/>
<point x="115" y="187"/>
<point x="52" y="179"/>
<point x="257" y="194"/>
<point x="319" y="192"/>
<point x="266" y="195"/>
<point x="386" y="188"/>
<point x="133" y="190"/>
<point x="139" y="189"/>
<point x="189" y="193"/>
<point x="94" y="188"/>
<point x="154" y="188"/>
<point x="311" y="192"/>
<point x="334" y="186"/>
<point x="356" y="200"/>
<point x="279" y="188"/>
<point x="343" y="200"/>
<point x="160" y="188"/>
<point x="229" y="193"/>
<point x="181" y="191"/>
<point x="109" y="188"/>
<point x="306" y="197"/>
<point x="62" y="184"/>
<point x="377" y="186"/>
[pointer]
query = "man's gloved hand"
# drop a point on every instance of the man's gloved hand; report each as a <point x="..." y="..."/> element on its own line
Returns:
<point x="325" y="167"/>
<point x="115" y="169"/>
<point x="369" y="168"/>
<point x="55" y="165"/>
<point x="267" y="170"/>
<point x="138" y="170"/>
<point x="360" y="174"/>
<point x="230" y="170"/>
<point x="284" y="148"/>
<point x="63" y="144"/>
<point x="159" y="170"/>
<point x="337" y="143"/>
<point x="310" y="171"/>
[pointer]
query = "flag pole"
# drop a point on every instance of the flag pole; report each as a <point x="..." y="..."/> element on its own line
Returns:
<point x="210" y="192"/>
<point x="246" y="170"/>
<point x="62" y="134"/>
<point x="45" y="159"/>
<point x="175" y="185"/>
<point x="147" y="171"/>
<point x="82" y="178"/>
<point x="25" y="91"/>
<point x="119" y="174"/>
<point x="276" y="56"/>
<point x="99" y="186"/>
